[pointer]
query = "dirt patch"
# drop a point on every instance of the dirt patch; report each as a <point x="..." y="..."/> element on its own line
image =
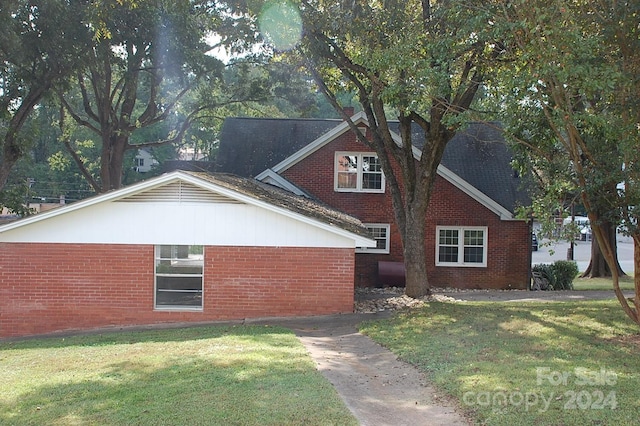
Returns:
<point x="630" y="340"/>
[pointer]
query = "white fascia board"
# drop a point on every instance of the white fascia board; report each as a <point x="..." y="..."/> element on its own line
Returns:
<point x="360" y="241"/>
<point x="271" y="177"/>
<point x="178" y="175"/>
<point x="474" y="193"/>
<point x="360" y="118"/>
<point x="108" y="196"/>
<point x="343" y="127"/>
<point x="463" y="185"/>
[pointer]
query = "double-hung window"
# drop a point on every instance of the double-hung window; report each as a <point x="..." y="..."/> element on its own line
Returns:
<point x="461" y="246"/>
<point x="179" y="276"/>
<point x="358" y="172"/>
<point x="380" y="233"/>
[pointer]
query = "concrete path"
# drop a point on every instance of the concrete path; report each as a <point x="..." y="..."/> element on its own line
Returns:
<point x="378" y="388"/>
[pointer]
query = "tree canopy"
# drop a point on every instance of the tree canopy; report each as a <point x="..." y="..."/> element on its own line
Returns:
<point x="142" y="61"/>
<point x="421" y="62"/>
<point x="573" y="88"/>
<point x="41" y="42"/>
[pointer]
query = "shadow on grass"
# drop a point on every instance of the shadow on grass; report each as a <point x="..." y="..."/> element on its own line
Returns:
<point x="259" y="375"/>
<point x="500" y="349"/>
<point x="118" y="337"/>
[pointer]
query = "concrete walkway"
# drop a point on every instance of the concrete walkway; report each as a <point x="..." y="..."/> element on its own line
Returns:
<point x="379" y="389"/>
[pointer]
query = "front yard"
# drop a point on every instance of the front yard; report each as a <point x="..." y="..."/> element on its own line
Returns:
<point x="197" y="376"/>
<point x="542" y="363"/>
<point x="506" y="363"/>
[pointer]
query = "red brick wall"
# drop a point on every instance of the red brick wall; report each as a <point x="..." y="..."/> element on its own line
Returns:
<point x="54" y="287"/>
<point x="508" y="243"/>
<point x="508" y="260"/>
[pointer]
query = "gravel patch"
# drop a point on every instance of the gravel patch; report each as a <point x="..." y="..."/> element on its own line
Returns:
<point x="372" y="300"/>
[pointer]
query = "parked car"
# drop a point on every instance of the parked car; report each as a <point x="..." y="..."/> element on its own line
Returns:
<point x="534" y="242"/>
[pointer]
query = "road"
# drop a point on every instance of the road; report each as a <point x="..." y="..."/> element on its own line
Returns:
<point x="550" y="252"/>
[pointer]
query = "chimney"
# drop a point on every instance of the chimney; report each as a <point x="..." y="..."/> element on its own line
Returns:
<point x="348" y="111"/>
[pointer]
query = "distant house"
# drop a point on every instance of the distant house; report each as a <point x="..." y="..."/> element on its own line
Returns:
<point x="144" y="161"/>
<point x="474" y="239"/>
<point x="181" y="247"/>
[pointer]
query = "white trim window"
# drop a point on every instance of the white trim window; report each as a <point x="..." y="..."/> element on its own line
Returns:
<point x="358" y="172"/>
<point x="461" y="246"/>
<point x="380" y="233"/>
<point x="179" y="277"/>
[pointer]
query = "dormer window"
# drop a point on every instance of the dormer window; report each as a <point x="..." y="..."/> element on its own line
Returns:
<point x="358" y="172"/>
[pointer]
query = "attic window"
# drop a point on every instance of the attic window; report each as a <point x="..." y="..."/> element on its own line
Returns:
<point x="358" y="172"/>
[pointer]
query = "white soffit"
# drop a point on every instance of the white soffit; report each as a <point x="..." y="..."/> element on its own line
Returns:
<point x="272" y="178"/>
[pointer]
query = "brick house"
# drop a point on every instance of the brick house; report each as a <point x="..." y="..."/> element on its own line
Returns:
<point x="473" y="235"/>
<point x="181" y="247"/>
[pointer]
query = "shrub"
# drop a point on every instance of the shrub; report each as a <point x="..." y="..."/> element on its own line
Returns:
<point x="546" y="271"/>
<point x="564" y="271"/>
<point x="560" y="274"/>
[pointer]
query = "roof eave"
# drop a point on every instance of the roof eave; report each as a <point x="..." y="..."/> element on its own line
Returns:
<point x="343" y="127"/>
<point x="195" y="180"/>
<point x="360" y="118"/>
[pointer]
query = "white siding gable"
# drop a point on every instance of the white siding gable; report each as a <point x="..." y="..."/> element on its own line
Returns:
<point x="178" y="212"/>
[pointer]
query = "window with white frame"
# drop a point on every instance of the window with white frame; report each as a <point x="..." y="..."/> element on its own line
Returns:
<point x="358" y="172"/>
<point x="179" y="276"/>
<point x="461" y="246"/>
<point x="380" y="233"/>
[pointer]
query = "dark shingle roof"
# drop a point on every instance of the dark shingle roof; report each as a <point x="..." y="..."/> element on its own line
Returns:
<point x="249" y="146"/>
<point x="478" y="153"/>
<point x="285" y="199"/>
<point x="480" y="156"/>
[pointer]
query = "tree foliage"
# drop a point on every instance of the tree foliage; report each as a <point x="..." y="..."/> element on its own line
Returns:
<point x="423" y="62"/>
<point x="575" y="72"/>
<point x="144" y="57"/>
<point x="40" y="44"/>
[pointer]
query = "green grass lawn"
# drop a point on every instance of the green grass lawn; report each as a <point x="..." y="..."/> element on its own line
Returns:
<point x="236" y="375"/>
<point x="530" y="363"/>
<point x="626" y="283"/>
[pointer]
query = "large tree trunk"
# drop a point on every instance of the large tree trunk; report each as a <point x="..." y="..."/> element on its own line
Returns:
<point x="415" y="259"/>
<point x="598" y="266"/>
<point x="111" y="161"/>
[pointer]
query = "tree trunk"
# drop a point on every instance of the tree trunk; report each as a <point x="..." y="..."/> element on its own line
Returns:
<point x="415" y="259"/>
<point x="598" y="266"/>
<point x="12" y="150"/>
<point x="111" y="162"/>
<point x="6" y="165"/>
<point x="636" y="275"/>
